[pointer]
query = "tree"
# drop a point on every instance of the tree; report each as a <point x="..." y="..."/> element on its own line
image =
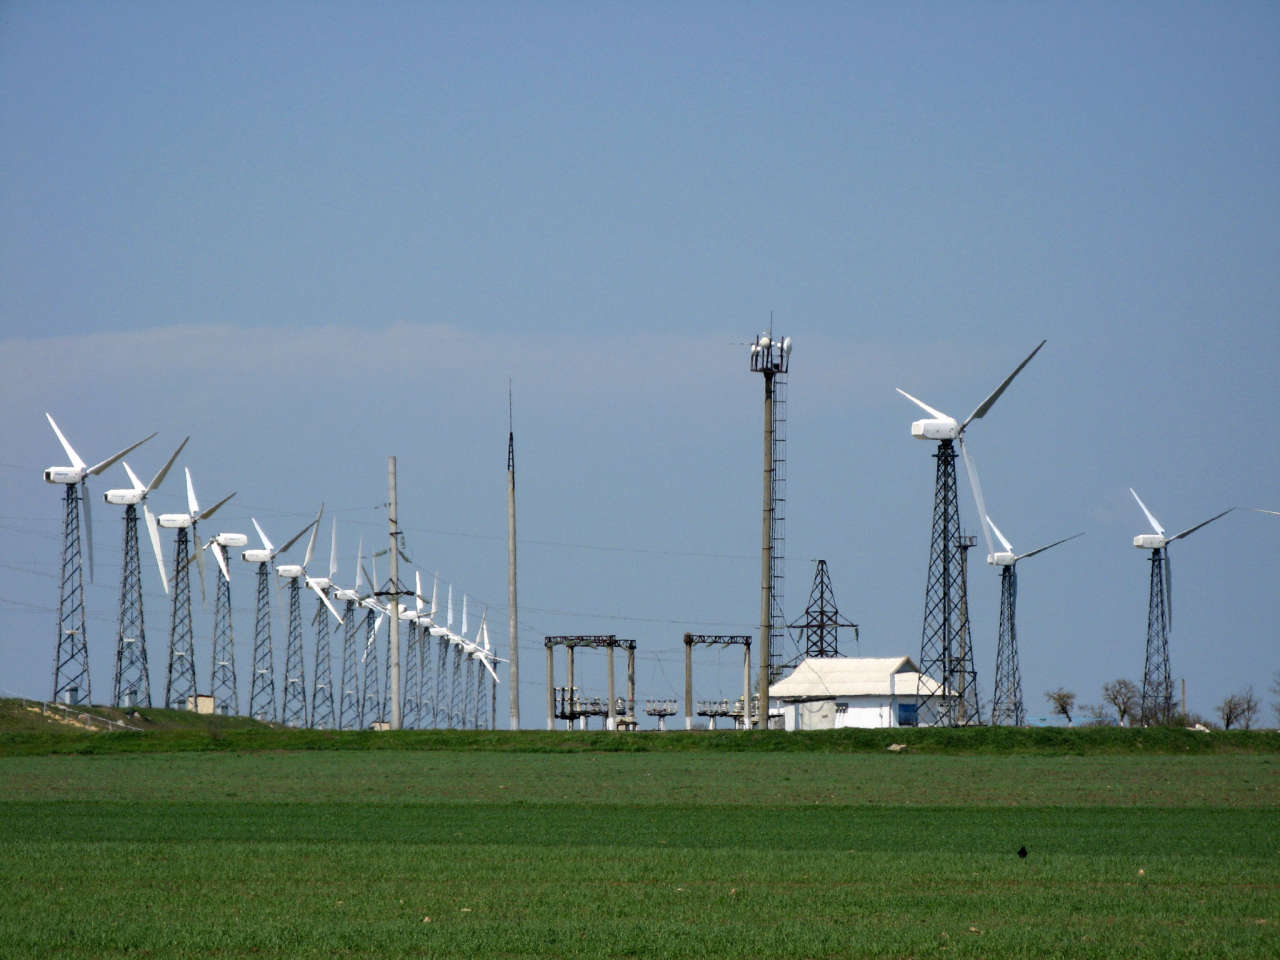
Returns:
<point x="1239" y="709"/>
<point x="1125" y="696"/>
<point x="1275" y="688"/>
<point x="1062" y="701"/>
<point x="1096" y="715"/>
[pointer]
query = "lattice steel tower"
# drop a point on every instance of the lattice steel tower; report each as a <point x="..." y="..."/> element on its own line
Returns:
<point x="322" y="716"/>
<point x="1006" y="698"/>
<point x="223" y="684"/>
<point x="262" y="692"/>
<point x="349" y="701"/>
<point x="71" y="654"/>
<point x="180" y="678"/>
<point x="293" y="710"/>
<point x="821" y="624"/>
<point x="410" y="714"/>
<point x="373" y="709"/>
<point x="132" y="684"/>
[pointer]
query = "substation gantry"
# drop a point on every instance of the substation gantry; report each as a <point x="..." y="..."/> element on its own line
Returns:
<point x="565" y="703"/>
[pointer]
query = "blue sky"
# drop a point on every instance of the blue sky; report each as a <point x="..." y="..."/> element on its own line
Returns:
<point x="312" y="235"/>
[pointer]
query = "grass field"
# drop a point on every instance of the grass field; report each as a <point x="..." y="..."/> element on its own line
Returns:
<point x="695" y="851"/>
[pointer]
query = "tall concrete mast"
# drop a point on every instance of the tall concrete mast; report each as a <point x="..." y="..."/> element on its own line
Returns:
<point x="394" y="615"/>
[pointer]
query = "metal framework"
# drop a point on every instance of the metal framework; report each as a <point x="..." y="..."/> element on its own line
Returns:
<point x="821" y="625"/>
<point x="1157" y="681"/>
<point x="262" y="691"/>
<point x="322" y="714"/>
<point x="132" y="684"/>
<point x="660" y="709"/>
<point x="222" y="681"/>
<point x="71" y="655"/>
<point x="946" y="653"/>
<point x="569" y="707"/>
<point x="410" y="712"/>
<point x="456" y="691"/>
<point x="349" y="699"/>
<point x="180" y="680"/>
<point x="294" y="709"/>
<point x="1006" y="699"/>
<point x="372" y="707"/>
<point x="692" y="640"/>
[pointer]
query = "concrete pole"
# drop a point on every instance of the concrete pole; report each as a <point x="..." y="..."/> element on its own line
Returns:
<point x="766" y="554"/>
<point x="395" y="598"/>
<point x="571" y="698"/>
<point x="612" y="719"/>
<point x="688" y="682"/>
<point x="551" y="689"/>
<point x="512" y="628"/>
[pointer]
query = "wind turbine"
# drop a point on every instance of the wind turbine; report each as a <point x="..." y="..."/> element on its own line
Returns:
<point x="262" y="693"/>
<point x="322" y="713"/>
<point x="1157" y="681"/>
<point x="946" y="649"/>
<point x="180" y="681"/>
<point x="294" y="710"/>
<point x="71" y="655"/>
<point x="223" y="684"/>
<point x="411" y="711"/>
<point x="132" y="683"/>
<point x="349" y="703"/>
<point x="1006" y="701"/>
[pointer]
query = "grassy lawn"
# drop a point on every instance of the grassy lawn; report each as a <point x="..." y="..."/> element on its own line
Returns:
<point x="690" y="852"/>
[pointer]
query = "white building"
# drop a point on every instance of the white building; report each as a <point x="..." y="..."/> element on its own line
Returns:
<point x="824" y="693"/>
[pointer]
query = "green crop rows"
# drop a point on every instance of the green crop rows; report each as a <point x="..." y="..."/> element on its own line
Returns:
<point x="665" y="854"/>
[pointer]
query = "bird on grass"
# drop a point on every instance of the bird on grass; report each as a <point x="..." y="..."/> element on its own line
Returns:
<point x="1022" y="852"/>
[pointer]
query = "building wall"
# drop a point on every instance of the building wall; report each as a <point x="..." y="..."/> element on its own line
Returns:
<point x="863" y="712"/>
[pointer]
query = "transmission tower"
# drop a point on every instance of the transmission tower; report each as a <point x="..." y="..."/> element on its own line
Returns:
<point x="947" y="690"/>
<point x="180" y="681"/>
<point x="821" y="624"/>
<point x="322" y="685"/>
<point x="262" y="694"/>
<point x="1157" y="682"/>
<point x="294" y="709"/>
<point x="223" y="685"/>
<point x="132" y="685"/>
<point x="349" y="701"/>
<point x="71" y="658"/>
<point x="1006" y="700"/>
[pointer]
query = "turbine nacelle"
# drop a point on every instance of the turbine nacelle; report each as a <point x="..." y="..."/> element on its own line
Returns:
<point x="319" y="583"/>
<point x="947" y="428"/>
<point x="64" y="474"/>
<point x="125" y="497"/>
<point x="1002" y="558"/>
<point x="1150" y="541"/>
<point x="257" y="556"/>
<point x="230" y="540"/>
<point x="175" y="521"/>
<point x="290" y="571"/>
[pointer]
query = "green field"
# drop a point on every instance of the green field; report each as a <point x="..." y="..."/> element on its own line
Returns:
<point x="534" y="847"/>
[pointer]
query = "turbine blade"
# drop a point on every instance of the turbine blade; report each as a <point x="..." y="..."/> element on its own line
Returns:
<point x="923" y="406"/>
<point x="449" y="619"/>
<point x="977" y="493"/>
<point x="1005" y="543"/>
<point x="193" y="506"/>
<point x="219" y="556"/>
<point x="164" y="471"/>
<point x="66" y="447"/>
<point x="988" y="403"/>
<point x="1191" y="530"/>
<point x="333" y="551"/>
<point x="1155" y="524"/>
<point x="1274" y="513"/>
<point x="154" y="532"/>
<point x="464" y="614"/>
<point x="488" y="666"/>
<point x="199" y="551"/>
<point x="435" y="588"/>
<point x="88" y="524"/>
<point x="324" y="599"/>
<point x="214" y="509"/>
<point x="1049" y="546"/>
<point x="133" y="478"/>
<point x="359" y="565"/>
<point x="311" y="544"/>
<point x="417" y="592"/>
<point x="266" y="544"/>
<point x="97" y="468"/>
<point x="296" y="537"/>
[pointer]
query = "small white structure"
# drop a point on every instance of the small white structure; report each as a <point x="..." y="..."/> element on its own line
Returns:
<point x="824" y="693"/>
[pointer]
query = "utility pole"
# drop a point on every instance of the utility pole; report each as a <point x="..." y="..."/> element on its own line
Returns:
<point x="512" y="626"/>
<point x="395" y="597"/>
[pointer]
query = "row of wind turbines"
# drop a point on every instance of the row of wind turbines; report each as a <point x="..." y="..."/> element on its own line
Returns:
<point x="946" y="646"/>
<point x="435" y="692"/>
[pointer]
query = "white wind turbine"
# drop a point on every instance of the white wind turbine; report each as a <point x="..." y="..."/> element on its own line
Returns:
<point x="294" y="712"/>
<point x="1157" y="681"/>
<point x="71" y="660"/>
<point x="132" y="683"/>
<point x="223" y="683"/>
<point x="180" y="682"/>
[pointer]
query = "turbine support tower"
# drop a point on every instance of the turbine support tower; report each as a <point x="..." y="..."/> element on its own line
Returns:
<point x="322" y="686"/>
<point x="512" y="624"/>
<point x="771" y="357"/>
<point x="1157" y="682"/>
<point x="1006" y="700"/>
<point x="71" y="656"/>
<point x="262" y="693"/>
<point x="349" y="702"/>
<point x="180" y="680"/>
<point x="132" y="684"/>
<point x="294" y="710"/>
<point x="223" y="686"/>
